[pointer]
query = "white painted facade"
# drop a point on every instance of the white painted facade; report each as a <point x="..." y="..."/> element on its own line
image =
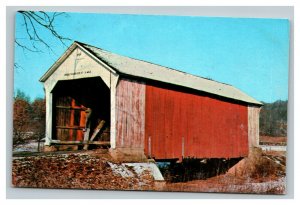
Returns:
<point x="78" y="64"/>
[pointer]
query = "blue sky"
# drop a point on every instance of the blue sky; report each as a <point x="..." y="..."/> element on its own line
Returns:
<point x="250" y="54"/>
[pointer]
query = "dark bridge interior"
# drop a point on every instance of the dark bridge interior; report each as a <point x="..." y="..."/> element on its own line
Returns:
<point x="71" y="98"/>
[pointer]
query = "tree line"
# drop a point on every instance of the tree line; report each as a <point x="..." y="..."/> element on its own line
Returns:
<point x="29" y="118"/>
<point x="273" y="119"/>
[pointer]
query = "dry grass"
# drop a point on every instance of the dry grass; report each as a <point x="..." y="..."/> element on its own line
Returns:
<point x="258" y="167"/>
<point x="255" y="174"/>
<point x="74" y="170"/>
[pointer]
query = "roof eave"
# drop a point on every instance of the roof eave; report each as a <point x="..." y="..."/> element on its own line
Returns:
<point x="248" y="102"/>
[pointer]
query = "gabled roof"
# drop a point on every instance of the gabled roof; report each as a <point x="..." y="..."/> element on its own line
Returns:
<point x="146" y="70"/>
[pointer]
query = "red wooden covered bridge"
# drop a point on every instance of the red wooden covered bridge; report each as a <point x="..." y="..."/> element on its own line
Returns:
<point x="145" y="109"/>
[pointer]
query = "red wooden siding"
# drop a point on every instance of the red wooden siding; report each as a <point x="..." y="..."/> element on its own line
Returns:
<point x="189" y="125"/>
<point x="130" y="114"/>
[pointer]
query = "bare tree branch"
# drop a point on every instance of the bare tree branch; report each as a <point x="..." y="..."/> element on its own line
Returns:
<point x="46" y="22"/>
<point x="16" y="65"/>
<point x="36" y="35"/>
<point x="36" y="22"/>
<point x="25" y="47"/>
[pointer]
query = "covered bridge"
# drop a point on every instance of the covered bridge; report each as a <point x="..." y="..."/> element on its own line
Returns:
<point x="145" y="109"/>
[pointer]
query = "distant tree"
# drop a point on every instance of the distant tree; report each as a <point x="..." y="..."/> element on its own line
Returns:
<point x="29" y="119"/>
<point x="38" y="118"/>
<point x="21" y="117"/>
<point x="21" y="95"/>
<point x="273" y="119"/>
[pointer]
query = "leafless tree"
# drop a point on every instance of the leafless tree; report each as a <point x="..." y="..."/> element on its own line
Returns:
<point x="36" y="22"/>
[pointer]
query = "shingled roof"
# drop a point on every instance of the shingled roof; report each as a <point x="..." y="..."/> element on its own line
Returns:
<point x="142" y="69"/>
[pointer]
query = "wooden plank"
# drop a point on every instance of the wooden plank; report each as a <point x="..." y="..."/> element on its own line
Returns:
<point x="86" y="134"/>
<point x="79" y="142"/>
<point x="98" y="128"/>
<point x="65" y="142"/>
<point x="100" y="142"/>
<point x="71" y="120"/>
<point x="81" y="124"/>
<point x="130" y="114"/>
<point x="70" y="127"/>
<point x="68" y="107"/>
<point x="96" y="131"/>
